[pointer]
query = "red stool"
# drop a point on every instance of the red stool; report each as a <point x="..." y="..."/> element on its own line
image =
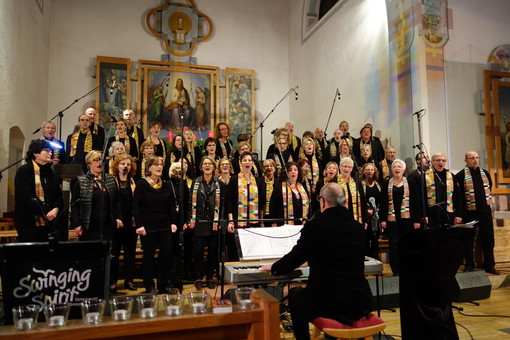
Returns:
<point x="363" y="328"/>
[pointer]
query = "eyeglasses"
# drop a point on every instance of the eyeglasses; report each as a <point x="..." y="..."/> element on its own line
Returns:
<point x="471" y="158"/>
<point x="85" y="120"/>
<point x="96" y="160"/>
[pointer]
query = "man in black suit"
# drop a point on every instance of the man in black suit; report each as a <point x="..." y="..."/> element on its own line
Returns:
<point x="475" y="186"/>
<point x="333" y="244"/>
<point x="80" y="142"/>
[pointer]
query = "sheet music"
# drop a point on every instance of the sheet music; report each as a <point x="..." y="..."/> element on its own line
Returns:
<point x="267" y="243"/>
<point x="465" y="225"/>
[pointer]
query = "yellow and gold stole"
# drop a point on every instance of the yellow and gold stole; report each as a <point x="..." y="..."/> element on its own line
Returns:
<point x="269" y="192"/>
<point x="356" y="200"/>
<point x="39" y="191"/>
<point x="469" y="189"/>
<point x="153" y="183"/>
<point x="288" y="204"/>
<point x="431" y="189"/>
<point x="404" y="208"/>
<point x="74" y="141"/>
<point x="194" y="196"/>
<point x="247" y="209"/>
<point x="385" y="169"/>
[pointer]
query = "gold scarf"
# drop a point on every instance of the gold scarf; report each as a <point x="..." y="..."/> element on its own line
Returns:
<point x="469" y="189"/>
<point x="74" y="141"/>
<point x="431" y="189"/>
<point x="247" y="209"/>
<point x="288" y="203"/>
<point x="356" y="200"/>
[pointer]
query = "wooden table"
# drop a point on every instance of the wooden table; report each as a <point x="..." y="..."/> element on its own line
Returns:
<point x="261" y="323"/>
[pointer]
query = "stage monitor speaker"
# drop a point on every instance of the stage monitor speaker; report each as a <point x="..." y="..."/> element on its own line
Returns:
<point x="471" y="286"/>
<point x="42" y="273"/>
<point x="389" y="292"/>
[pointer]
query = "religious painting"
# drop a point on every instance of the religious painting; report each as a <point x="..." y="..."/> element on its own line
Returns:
<point x="179" y="98"/>
<point x="240" y="101"/>
<point x="113" y="95"/>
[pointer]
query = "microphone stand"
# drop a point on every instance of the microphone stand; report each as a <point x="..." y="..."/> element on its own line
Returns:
<point x="261" y="125"/>
<point x="337" y="95"/>
<point x="52" y="240"/>
<point x="60" y="114"/>
<point x="103" y="176"/>
<point x="182" y="206"/>
<point x="422" y="174"/>
<point x="11" y="165"/>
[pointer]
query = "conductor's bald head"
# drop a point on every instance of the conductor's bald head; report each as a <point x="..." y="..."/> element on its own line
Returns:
<point x="331" y="195"/>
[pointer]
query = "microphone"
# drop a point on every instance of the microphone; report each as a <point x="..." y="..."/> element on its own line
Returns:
<point x="418" y="112"/>
<point x="297" y="94"/>
<point x="417" y="146"/>
<point x="374" y="206"/>
<point x="338" y="94"/>
<point x="274" y="131"/>
<point x="113" y="86"/>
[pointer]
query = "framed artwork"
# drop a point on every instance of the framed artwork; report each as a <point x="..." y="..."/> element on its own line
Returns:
<point x="497" y="122"/>
<point x="240" y="102"/>
<point x="172" y="93"/>
<point x="115" y="96"/>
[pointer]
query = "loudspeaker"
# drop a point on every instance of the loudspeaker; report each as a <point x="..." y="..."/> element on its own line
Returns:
<point x="471" y="286"/>
<point x="388" y="292"/>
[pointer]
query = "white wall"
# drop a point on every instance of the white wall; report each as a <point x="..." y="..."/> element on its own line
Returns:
<point x="478" y="27"/>
<point x="247" y="34"/>
<point x="24" y="34"/>
<point x="348" y="52"/>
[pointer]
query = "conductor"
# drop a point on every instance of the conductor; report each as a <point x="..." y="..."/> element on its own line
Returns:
<point x="333" y="244"/>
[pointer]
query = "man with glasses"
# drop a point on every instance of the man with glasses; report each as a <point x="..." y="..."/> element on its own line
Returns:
<point x="475" y="187"/>
<point x="80" y="142"/>
<point x="442" y="195"/>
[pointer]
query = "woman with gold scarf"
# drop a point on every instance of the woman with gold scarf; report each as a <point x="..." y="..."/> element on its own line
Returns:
<point x="37" y="194"/>
<point x="355" y="197"/>
<point x="397" y="208"/>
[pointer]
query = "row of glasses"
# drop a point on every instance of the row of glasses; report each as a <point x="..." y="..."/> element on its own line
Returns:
<point x="25" y="317"/>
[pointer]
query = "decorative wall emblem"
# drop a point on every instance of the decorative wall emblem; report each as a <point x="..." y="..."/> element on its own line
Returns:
<point x="180" y="25"/>
<point x="434" y="20"/>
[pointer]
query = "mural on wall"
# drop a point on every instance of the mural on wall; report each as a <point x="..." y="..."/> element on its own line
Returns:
<point x="180" y="25"/>
<point x="240" y="101"/>
<point x="174" y="93"/>
<point x="499" y="58"/>
<point x="114" y="96"/>
<point x="434" y="20"/>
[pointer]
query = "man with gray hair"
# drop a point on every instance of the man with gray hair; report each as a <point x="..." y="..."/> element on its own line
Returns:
<point x="333" y="244"/>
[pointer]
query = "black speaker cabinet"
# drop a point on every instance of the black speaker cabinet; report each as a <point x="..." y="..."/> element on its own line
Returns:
<point x="388" y="292"/>
<point x="471" y="286"/>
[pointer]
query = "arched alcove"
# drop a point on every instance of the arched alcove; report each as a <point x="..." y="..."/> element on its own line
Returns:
<point x="16" y="152"/>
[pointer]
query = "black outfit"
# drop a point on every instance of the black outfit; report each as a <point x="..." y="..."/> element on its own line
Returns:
<point x="229" y="146"/>
<point x="203" y="233"/>
<point x="294" y="151"/>
<point x="175" y="193"/>
<point x="133" y="150"/>
<point x="279" y="199"/>
<point x="232" y="205"/>
<point x="373" y="230"/>
<point x="482" y="214"/>
<point x="438" y="215"/>
<point x="130" y="131"/>
<point x="155" y="209"/>
<point x="97" y="209"/>
<point x="333" y="245"/>
<point x="323" y="145"/>
<point x="100" y="135"/>
<point x="55" y="151"/>
<point x="380" y="168"/>
<point x="125" y="237"/>
<point x="332" y="158"/>
<point x="377" y="149"/>
<point x="401" y="226"/>
<point x="28" y="207"/>
<point x="79" y="156"/>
